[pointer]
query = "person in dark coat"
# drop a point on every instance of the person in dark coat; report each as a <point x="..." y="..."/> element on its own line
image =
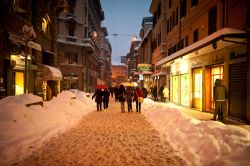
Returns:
<point x="116" y="91"/>
<point x="137" y="93"/>
<point x="106" y="95"/>
<point x="98" y="99"/>
<point x="129" y="97"/>
<point x="111" y="91"/>
<point x="121" y="97"/>
<point x="154" y="92"/>
<point x="144" y="92"/>
<point x="220" y="96"/>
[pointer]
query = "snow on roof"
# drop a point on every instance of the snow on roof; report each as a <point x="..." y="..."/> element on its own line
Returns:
<point x="201" y="43"/>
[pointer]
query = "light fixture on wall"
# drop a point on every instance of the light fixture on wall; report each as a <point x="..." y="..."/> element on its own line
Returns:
<point x="214" y="45"/>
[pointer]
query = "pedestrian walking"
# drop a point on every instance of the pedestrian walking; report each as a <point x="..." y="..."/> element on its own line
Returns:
<point x="138" y="99"/>
<point x="165" y="94"/>
<point x="220" y="95"/>
<point x="98" y="99"/>
<point x="111" y="90"/>
<point x="154" y="92"/>
<point x="105" y="98"/>
<point x="129" y="97"/>
<point x="121" y="97"/>
<point x="116" y="92"/>
<point x="144" y="92"/>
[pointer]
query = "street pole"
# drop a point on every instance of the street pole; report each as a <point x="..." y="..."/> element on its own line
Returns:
<point x="26" y="68"/>
<point x="27" y="34"/>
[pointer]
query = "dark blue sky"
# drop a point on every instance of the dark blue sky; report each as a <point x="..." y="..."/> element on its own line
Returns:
<point x="123" y="17"/>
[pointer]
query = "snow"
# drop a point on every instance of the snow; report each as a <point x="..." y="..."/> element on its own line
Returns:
<point x="197" y="142"/>
<point x="23" y="127"/>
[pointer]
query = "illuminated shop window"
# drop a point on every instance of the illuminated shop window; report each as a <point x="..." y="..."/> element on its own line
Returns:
<point x="19" y="80"/>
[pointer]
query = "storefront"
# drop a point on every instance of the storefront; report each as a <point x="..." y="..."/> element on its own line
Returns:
<point x="51" y="77"/>
<point x="221" y="55"/>
<point x="17" y="62"/>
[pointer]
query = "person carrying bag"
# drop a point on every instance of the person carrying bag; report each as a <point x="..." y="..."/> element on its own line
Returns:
<point x="138" y="99"/>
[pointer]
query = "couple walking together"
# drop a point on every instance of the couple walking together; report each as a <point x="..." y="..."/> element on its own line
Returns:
<point x="101" y="97"/>
<point x="130" y="96"/>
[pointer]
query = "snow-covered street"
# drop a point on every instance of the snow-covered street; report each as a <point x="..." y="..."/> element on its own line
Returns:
<point x="69" y="131"/>
<point x="107" y="138"/>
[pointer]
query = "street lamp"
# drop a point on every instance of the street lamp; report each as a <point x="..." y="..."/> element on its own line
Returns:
<point x="27" y="34"/>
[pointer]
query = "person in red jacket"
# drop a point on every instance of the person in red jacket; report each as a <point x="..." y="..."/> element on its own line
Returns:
<point x="137" y="95"/>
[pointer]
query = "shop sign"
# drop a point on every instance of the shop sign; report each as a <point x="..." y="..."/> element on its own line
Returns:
<point x="144" y="67"/>
<point x="19" y="62"/>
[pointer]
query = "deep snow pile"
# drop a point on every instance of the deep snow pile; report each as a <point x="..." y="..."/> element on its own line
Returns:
<point x="199" y="142"/>
<point x="23" y="128"/>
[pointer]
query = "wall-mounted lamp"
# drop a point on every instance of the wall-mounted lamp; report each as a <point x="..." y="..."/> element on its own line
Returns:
<point x="214" y="45"/>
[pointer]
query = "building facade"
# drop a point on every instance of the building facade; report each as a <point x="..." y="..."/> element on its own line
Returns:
<point x="85" y="52"/>
<point x="28" y="50"/>
<point x="203" y="41"/>
<point x="119" y="73"/>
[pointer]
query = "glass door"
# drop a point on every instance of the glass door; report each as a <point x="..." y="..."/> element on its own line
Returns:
<point x="197" y="88"/>
<point x="19" y="83"/>
<point x="176" y="89"/>
<point x="184" y="89"/>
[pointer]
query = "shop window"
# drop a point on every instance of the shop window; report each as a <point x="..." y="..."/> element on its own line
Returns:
<point x="216" y="73"/>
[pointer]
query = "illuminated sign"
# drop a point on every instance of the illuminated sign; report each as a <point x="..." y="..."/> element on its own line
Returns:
<point x="144" y="67"/>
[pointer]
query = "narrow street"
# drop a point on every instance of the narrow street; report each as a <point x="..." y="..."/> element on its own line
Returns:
<point x="107" y="138"/>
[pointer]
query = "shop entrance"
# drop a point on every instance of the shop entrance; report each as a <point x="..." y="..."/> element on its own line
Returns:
<point x="176" y="89"/>
<point x="197" y="88"/>
<point x="184" y="89"/>
<point x="19" y="83"/>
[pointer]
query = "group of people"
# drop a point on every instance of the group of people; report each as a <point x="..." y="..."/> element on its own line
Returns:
<point x="101" y="97"/>
<point x="122" y="94"/>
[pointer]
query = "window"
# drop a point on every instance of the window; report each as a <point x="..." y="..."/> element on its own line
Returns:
<point x="167" y="26"/>
<point x="194" y="2"/>
<point x="186" y="41"/>
<point x="183" y="8"/>
<point x="177" y="15"/>
<point x="159" y="11"/>
<point x="71" y="29"/>
<point x="70" y="58"/>
<point x="170" y="3"/>
<point x="173" y="19"/>
<point x="195" y="35"/>
<point x="45" y="23"/>
<point x="212" y="19"/>
<point x="159" y="39"/>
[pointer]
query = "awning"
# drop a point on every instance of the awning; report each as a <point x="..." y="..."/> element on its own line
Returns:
<point x="34" y="45"/>
<point x="224" y="35"/>
<point x="51" y="73"/>
<point x="162" y="73"/>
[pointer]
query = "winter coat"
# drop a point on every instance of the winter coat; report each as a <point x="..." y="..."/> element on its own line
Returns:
<point x="129" y="94"/>
<point x="121" y="94"/>
<point x="106" y="95"/>
<point x="137" y="93"/>
<point x="98" y="96"/>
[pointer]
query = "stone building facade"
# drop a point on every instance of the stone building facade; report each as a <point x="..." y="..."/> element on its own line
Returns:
<point x="83" y="46"/>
